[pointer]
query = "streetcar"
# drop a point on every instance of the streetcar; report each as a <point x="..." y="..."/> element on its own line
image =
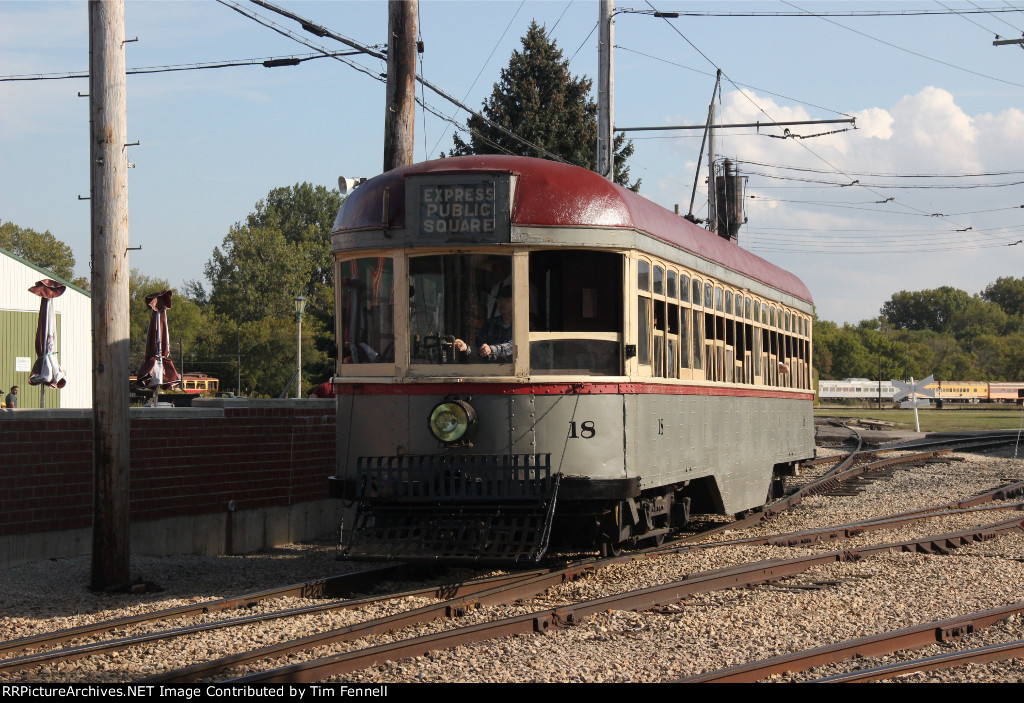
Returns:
<point x="535" y="357"/>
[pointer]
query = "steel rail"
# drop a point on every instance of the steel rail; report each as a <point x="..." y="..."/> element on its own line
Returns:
<point x="802" y="538"/>
<point x="913" y="637"/>
<point x="842" y="473"/>
<point x="980" y="655"/>
<point x="434" y="612"/>
<point x="321" y="588"/>
<point x="835" y="476"/>
<point x="828" y="481"/>
<point x="643" y="599"/>
<point x="71" y="653"/>
<point x="525" y="587"/>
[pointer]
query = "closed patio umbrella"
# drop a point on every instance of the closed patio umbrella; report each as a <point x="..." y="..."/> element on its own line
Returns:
<point x="47" y="370"/>
<point x="157" y="371"/>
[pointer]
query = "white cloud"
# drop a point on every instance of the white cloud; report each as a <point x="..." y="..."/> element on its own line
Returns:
<point x="874" y="123"/>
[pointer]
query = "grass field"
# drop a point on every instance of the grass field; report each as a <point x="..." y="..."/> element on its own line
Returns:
<point x="945" y="420"/>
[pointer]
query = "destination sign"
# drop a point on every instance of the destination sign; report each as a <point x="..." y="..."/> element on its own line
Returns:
<point x="458" y="209"/>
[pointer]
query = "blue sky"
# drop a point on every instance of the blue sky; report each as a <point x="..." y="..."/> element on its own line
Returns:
<point x="932" y="97"/>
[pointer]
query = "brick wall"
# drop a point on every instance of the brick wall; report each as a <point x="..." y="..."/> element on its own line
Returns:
<point x="256" y="454"/>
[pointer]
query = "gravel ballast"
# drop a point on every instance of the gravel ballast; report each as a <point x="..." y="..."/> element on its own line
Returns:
<point x="707" y="632"/>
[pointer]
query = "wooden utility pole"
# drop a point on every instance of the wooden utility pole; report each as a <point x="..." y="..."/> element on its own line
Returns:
<point x="400" y="105"/>
<point x="108" y="165"/>
<point x="606" y="91"/>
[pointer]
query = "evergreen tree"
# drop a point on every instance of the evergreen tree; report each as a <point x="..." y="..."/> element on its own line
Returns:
<point x="539" y="100"/>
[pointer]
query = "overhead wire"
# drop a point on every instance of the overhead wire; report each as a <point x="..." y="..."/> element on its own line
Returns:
<point x="266" y="62"/>
<point x="745" y="85"/>
<point x="827" y="13"/>
<point x="873" y="174"/>
<point x="836" y="169"/>
<point x="567" y="6"/>
<point x="323" y="31"/>
<point x="898" y="237"/>
<point x="996" y="16"/>
<point x="904" y="49"/>
<point x="482" y="67"/>
<point x="584" y="42"/>
<point x="423" y="97"/>
<point x="893" y="186"/>
<point x="914" y="249"/>
<point x="968" y="19"/>
<point x="832" y="203"/>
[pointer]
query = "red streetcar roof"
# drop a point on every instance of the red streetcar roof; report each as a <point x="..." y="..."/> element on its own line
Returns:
<point x="553" y="194"/>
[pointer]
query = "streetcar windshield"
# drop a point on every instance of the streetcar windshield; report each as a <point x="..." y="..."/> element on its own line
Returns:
<point x="460" y="309"/>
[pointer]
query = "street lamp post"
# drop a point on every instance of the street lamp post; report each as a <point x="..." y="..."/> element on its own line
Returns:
<point x="300" y="306"/>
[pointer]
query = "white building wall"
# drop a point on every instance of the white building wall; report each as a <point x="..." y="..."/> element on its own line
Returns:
<point x="75" y="311"/>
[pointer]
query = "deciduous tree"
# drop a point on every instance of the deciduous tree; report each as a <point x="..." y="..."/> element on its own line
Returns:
<point x="42" y="249"/>
<point x="188" y="327"/>
<point x="1007" y="293"/>
<point x="281" y="250"/>
<point x="926" y="309"/>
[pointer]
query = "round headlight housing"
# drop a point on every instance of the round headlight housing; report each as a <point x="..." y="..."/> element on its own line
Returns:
<point x="452" y="421"/>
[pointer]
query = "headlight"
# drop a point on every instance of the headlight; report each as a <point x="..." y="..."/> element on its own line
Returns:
<point x="452" y="421"/>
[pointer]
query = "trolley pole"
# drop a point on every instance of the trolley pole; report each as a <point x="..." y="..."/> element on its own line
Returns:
<point x="712" y="190"/>
<point x="606" y="91"/>
<point x="400" y="106"/>
<point x="108" y="164"/>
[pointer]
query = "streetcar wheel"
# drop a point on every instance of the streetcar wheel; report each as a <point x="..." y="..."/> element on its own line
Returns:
<point x="611" y="549"/>
<point x="657" y="540"/>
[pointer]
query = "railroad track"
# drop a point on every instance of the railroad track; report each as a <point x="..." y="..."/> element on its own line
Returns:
<point x="910" y="638"/>
<point x="495" y="595"/>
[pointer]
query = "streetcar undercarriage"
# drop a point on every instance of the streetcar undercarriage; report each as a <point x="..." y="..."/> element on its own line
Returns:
<point x="487" y="509"/>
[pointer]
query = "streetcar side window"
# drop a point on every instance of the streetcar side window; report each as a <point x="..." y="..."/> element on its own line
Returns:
<point x="643" y="331"/>
<point x="697" y="328"/>
<point x="576" y="312"/>
<point x="367" y="311"/>
<point x="643" y="275"/>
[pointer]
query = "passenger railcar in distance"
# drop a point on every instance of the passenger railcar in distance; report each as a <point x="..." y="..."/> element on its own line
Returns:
<point x="856" y="388"/>
<point x="963" y="391"/>
<point x="1006" y="392"/>
<point x="533" y="353"/>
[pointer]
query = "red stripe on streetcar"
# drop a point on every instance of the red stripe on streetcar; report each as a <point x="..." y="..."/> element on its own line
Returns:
<point x="559" y="389"/>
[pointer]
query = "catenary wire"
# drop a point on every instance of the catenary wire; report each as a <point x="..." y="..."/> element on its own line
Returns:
<point x="322" y="31"/>
<point x="267" y="62"/>
<point x="908" y="51"/>
<point x="482" y="67"/>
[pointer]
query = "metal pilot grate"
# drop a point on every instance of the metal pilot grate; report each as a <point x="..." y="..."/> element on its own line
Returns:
<point x="453" y="508"/>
